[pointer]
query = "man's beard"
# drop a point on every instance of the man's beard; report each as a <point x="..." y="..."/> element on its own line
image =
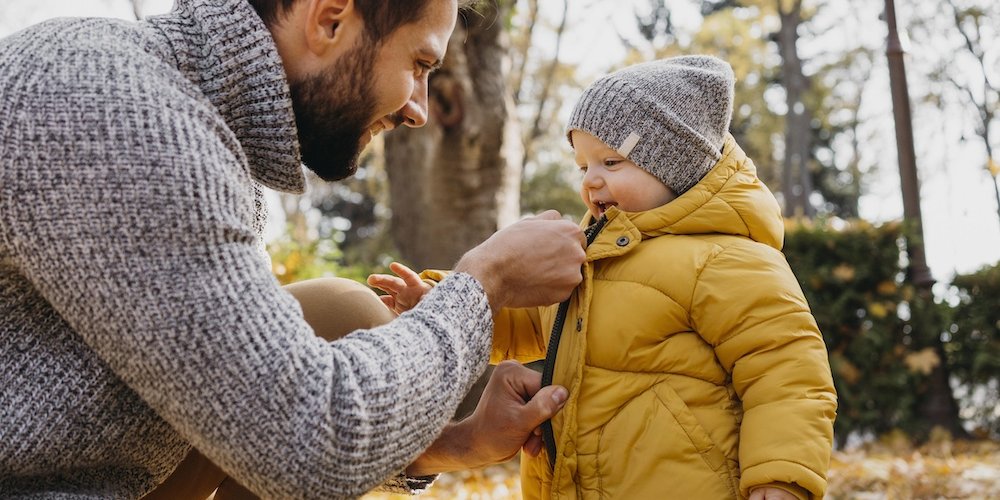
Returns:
<point x="333" y="109"/>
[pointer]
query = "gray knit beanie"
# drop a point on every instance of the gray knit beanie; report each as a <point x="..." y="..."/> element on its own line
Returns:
<point x="669" y="117"/>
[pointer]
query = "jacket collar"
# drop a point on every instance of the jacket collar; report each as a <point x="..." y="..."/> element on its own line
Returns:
<point x="224" y="48"/>
<point x="730" y="199"/>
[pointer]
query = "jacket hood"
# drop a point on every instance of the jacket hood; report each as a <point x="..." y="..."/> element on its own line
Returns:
<point x="730" y="199"/>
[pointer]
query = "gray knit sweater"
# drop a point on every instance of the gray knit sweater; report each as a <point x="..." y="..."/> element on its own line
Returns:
<point x="136" y="312"/>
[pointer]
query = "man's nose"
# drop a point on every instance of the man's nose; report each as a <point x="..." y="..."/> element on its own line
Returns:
<point x="414" y="112"/>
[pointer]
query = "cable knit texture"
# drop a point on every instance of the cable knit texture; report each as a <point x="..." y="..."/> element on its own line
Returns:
<point x="137" y="314"/>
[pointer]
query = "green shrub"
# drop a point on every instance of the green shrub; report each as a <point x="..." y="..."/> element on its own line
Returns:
<point x="973" y="346"/>
<point x="874" y="325"/>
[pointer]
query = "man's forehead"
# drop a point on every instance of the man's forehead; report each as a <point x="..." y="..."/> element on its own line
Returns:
<point x="435" y="27"/>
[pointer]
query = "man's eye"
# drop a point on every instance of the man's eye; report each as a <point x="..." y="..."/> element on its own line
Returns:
<point x="424" y="68"/>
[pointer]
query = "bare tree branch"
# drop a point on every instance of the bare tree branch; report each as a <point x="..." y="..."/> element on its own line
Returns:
<point x="536" y="128"/>
<point x="522" y="64"/>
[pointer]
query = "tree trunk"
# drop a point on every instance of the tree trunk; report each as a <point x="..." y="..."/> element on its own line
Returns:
<point x="796" y="179"/>
<point x="457" y="180"/>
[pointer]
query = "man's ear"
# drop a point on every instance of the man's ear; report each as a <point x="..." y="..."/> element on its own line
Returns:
<point x="330" y="24"/>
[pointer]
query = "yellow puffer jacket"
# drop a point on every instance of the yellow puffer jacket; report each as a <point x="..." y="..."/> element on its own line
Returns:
<point x="695" y="368"/>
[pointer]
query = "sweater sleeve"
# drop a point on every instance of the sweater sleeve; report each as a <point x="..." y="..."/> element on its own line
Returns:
<point x="748" y="305"/>
<point x="517" y="332"/>
<point x="132" y="217"/>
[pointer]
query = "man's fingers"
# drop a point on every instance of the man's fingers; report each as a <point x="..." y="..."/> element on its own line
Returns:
<point x="522" y="379"/>
<point x="546" y="403"/>
<point x="533" y="446"/>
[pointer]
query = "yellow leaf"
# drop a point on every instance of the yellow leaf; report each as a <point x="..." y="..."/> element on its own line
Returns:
<point x="886" y="287"/>
<point x="878" y="310"/>
<point x="848" y="371"/>
<point x="923" y="361"/>
<point x="843" y="272"/>
<point x="993" y="167"/>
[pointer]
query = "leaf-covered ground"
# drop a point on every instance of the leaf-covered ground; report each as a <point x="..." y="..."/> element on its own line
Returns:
<point x="890" y="469"/>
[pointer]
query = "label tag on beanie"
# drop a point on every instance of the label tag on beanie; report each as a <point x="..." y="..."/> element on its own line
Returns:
<point x="629" y="144"/>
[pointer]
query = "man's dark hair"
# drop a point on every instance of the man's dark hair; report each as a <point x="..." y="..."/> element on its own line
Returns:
<point x="381" y="17"/>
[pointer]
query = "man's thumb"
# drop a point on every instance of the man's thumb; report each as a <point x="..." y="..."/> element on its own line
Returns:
<point x="546" y="403"/>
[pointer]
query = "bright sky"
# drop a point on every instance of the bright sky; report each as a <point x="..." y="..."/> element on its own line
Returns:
<point x="962" y="228"/>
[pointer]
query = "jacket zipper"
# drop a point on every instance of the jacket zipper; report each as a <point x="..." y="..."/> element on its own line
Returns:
<point x="550" y="353"/>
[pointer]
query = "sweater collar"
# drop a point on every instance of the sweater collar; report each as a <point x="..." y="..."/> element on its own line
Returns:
<point x="224" y="48"/>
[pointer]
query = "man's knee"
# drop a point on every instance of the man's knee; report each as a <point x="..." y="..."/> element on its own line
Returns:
<point x="335" y="307"/>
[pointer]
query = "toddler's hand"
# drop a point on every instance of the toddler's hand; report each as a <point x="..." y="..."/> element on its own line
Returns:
<point x="767" y="493"/>
<point x="404" y="291"/>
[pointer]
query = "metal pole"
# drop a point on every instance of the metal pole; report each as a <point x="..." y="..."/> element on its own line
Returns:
<point x="920" y="274"/>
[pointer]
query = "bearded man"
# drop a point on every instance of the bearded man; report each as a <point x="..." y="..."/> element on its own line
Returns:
<point x="138" y="314"/>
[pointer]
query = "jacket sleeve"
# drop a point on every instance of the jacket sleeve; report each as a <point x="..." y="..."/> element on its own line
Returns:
<point x="748" y="305"/>
<point x="148" y="253"/>
<point x="518" y="335"/>
<point x="517" y="332"/>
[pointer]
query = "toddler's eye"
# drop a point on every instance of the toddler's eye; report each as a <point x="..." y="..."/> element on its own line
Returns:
<point x="583" y="168"/>
<point x="610" y="162"/>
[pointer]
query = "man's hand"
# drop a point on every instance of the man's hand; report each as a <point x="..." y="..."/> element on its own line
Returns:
<point x="506" y="420"/>
<point x="404" y="290"/>
<point x="533" y="262"/>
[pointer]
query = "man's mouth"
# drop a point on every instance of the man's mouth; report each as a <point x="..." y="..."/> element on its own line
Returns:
<point x="374" y="129"/>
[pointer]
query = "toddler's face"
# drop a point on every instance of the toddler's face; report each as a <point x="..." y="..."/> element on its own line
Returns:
<point x="611" y="180"/>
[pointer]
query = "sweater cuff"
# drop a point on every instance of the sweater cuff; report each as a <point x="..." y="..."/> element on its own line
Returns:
<point x="407" y="485"/>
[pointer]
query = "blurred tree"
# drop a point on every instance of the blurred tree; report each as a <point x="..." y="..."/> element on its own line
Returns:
<point x="657" y="25"/>
<point x="727" y="34"/>
<point x="781" y="116"/>
<point x="552" y="187"/>
<point x="541" y="84"/>
<point x="797" y="183"/>
<point x="521" y="44"/>
<point x="841" y="183"/>
<point x="457" y="180"/>
<point x="539" y="122"/>
<point x="977" y="23"/>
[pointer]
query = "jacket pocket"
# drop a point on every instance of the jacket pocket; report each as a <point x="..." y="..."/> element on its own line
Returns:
<point x="654" y="447"/>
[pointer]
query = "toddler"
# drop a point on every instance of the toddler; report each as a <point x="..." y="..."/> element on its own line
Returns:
<point x="694" y="365"/>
